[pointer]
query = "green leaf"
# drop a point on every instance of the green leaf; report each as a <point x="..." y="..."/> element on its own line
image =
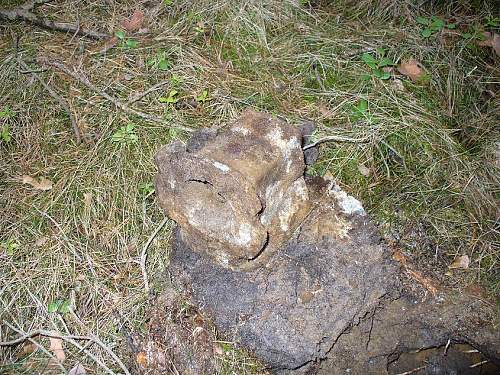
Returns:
<point x="381" y="51"/>
<point x="176" y="80"/>
<point x="163" y="64"/>
<point x="467" y="35"/>
<point x="362" y="105"/>
<point x="131" y="43"/>
<point x="378" y="73"/>
<point x="5" y="134"/>
<point x="426" y="33"/>
<point x="451" y="26"/>
<point x="125" y="135"/>
<point x="203" y="97"/>
<point x="64" y="307"/>
<point x="366" y="77"/>
<point x="120" y="35"/>
<point x="369" y="60"/>
<point x="168" y="2"/>
<point x="385" y="61"/>
<point x="170" y="99"/>
<point x="437" y="24"/>
<point x="423" y="21"/>
<point x="54" y="306"/>
<point x="492" y="22"/>
<point x="146" y="188"/>
<point x="385" y="75"/>
<point x="151" y="61"/>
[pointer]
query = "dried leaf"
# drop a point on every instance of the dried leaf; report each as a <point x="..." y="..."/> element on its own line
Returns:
<point x="411" y="69"/>
<point x="27" y="349"/>
<point x="135" y="22"/>
<point x="78" y="369"/>
<point x="41" y="184"/>
<point x="87" y="199"/>
<point x="141" y="359"/>
<point x="462" y="262"/>
<point x="364" y="170"/>
<point x="57" y="348"/>
<point x="41" y="241"/>
<point x="218" y="349"/>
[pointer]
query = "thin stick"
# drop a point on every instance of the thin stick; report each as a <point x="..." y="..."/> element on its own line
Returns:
<point x="479" y="364"/>
<point x="144" y="253"/>
<point x="69" y="338"/>
<point x="57" y="97"/>
<point x="117" y="102"/>
<point x="23" y="13"/>
<point x="141" y="95"/>
<point x="336" y="138"/>
<point x="48" y="353"/>
<point x="412" y="371"/>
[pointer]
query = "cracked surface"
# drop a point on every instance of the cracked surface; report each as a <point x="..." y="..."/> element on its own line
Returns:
<point x="291" y="312"/>
<point x="236" y="194"/>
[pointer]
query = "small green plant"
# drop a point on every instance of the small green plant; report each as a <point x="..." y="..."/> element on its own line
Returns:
<point x="126" y="42"/>
<point x="5" y="135"/>
<point x="61" y="306"/>
<point x="377" y="64"/>
<point x="360" y="111"/>
<point x="492" y="22"/>
<point x="171" y="98"/>
<point x="125" y="135"/>
<point x="168" y="2"/>
<point x="146" y="189"/>
<point x="160" y="62"/>
<point x="203" y="97"/>
<point x="433" y="25"/>
<point x="176" y="80"/>
<point x="10" y="246"/>
<point x="7" y="112"/>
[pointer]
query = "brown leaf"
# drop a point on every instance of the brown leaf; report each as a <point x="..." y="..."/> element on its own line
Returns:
<point x="78" y="369"/>
<point x="41" y="241"/>
<point x="41" y="184"/>
<point x="135" y="22"/>
<point x="364" y="170"/>
<point x="87" y="199"/>
<point x="411" y="69"/>
<point x="57" y="348"/>
<point x="460" y="262"/>
<point x="490" y="40"/>
<point x="27" y="348"/>
<point x="141" y="359"/>
<point x="107" y="45"/>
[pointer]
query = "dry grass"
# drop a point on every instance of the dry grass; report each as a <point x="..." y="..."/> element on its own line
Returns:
<point x="432" y="155"/>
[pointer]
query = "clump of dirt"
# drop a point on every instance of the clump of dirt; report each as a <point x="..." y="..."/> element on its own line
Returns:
<point x="237" y="195"/>
<point x="179" y="339"/>
<point x="332" y="299"/>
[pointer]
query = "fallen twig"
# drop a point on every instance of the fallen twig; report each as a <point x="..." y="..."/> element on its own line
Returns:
<point x="412" y="371"/>
<point x="79" y="76"/>
<point x="70" y="338"/>
<point x="141" y="95"/>
<point x="336" y="138"/>
<point x="57" y="97"/>
<point x="145" y="252"/>
<point x="24" y="13"/>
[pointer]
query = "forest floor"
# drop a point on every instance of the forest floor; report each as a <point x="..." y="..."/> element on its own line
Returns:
<point x="417" y="84"/>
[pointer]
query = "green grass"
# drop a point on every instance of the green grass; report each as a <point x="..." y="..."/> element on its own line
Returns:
<point x="432" y="153"/>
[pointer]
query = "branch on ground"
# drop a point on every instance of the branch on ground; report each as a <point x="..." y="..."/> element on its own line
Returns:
<point x="82" y="78"/>
<point x="24" y="13"/>
<point x="63" y="102"/>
